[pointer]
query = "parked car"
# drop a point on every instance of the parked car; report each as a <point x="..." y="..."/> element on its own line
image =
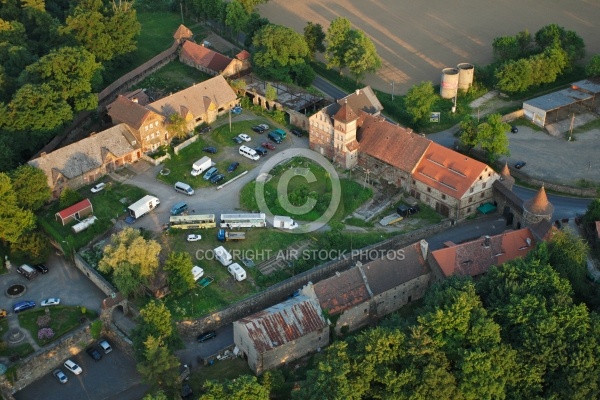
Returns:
<point x="41" y="268"/>
<point x="206" y="129"/>
<point x="258" y="129"/>
<point x="264" y="126"/>
<point x="23" y="305"/>
<point x="261" y="151"/>
<point x="297" y="132"/>
<point x="73" y="367"/>
<point x="94" y="353"/>
<point x="62" y="378"/>
<point x="52" y="301"/>
<point x="210" y="149"/>
<point x="209" y="174"/>
<point x="237" y="140"/>
<point x="217" y="178"/>
<point x="193" y="238"/>
<point x="274" y="137"/>
<point x="407" y="211"/>
<point x="514" y="129"/>
<point x="203" y="337"/>
<point x="268" y="145"/>
<point x="104" y="345"/>
<point x="236" y="110"/>
<point x="520" y="164"/>
<point x="98" y="187"/>
<point x="233" y="166"/>
<point x="244" y="137"/>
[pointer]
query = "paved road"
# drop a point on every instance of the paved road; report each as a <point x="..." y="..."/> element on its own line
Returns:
<point x="564" y="207"/>
<point x="328" y="88"/>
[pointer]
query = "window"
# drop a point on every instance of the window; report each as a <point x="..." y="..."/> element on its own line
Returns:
<point x="470" y="199"/>
<point x="365" y="311"/>
<point x="443" y="197"/>
<point x="429" y="190"/>
<point x="482" y="194"/>
<point x="471" y="190"/>
<point x="469" y="209"/>
<point x="483" y="185"/>
<point x="414" y="182"/>
<point x="146" y="127"/>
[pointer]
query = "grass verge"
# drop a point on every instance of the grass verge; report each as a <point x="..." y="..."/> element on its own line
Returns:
<point x="63" y="319"/>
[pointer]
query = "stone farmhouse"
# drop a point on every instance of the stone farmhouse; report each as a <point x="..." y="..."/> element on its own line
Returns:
<point x="281" y="333"/>
<point x="352" y="133"/>
<point x="214" y="63"/>
<point x="364" y="294"/>
<point x="83" y="162"/>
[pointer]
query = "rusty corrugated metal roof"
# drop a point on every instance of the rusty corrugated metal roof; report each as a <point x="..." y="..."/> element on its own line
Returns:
<point x="283" y="323"/>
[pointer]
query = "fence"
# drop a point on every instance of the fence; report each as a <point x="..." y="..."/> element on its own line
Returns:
<point x="183" y="145"/>
<point x="156" y="161"/>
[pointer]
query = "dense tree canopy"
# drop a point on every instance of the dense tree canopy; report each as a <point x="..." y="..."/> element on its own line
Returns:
<point x="179" y="272"/>
<point x="31" y="187"/>
<point x="361" y="56"/>
<point x="14" y="219"/>
<point x="314" y="36"/>
<point x="155" y="320"/>
<point x="419" y="100"/>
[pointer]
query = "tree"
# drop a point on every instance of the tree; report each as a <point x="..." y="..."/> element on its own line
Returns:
<point x="492" y="137"/>
<point x="593" y="67"/>
<point x="250" y="5"/>
<point x="242" y="388"/>
<point x="512" y="47"/>
<point x="592" y="214"/>
<point x="469" y="135"/>
<point x="68" y="197"/>
<point x="106" y="32"/>
<point x="419" y="100"/>
<point x="33" y="246"/>
<point x="361" y="56"/>
<point x="177" y="126"/>
<point x="254" y="24"/>
<point x="270" y="92"/>
<point x="237" y="17"/>
<point x="155" y="320"/>
<point x="14" y="220"/>
<point x="158" y="395"/>
<point x="555" y="36"/>
<point x="337" y="43"/>
<point x="131" y="260"/>
<point x="159" y="367"/>
<point x="314" y="37"/>
<point x="279" y="51"/>
<point x="179" y="270"/>
<point x="514" y="76"/>
<point x="31" y="187"/>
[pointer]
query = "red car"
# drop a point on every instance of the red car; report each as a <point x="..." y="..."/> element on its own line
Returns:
<point x="268" y="145"/>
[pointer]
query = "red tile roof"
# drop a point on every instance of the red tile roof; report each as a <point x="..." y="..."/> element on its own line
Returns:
<point x="243" y="55"/>
<point x="183" y="33"/>
<point x="75" y="208"/>
<point x="205" y="57"/>
<point x="283" y="323"/>
<point x="123" y="110"/>
<point x="391" y="143"/>
<point x="475" y="258"/>
<point x="345" y="114"/>
<point x="341" y="292"/>
<point x="448" y="171"/>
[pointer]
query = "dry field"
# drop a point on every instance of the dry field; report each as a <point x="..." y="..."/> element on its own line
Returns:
<point x="417" y="39"/>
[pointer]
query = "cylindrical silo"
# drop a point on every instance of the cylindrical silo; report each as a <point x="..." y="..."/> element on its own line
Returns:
<point x="465" y="75"/>
<point x="449" y="86"/>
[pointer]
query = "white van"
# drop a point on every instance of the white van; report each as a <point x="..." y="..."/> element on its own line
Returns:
<point x="184" y="188"/>
<point x="249" y="153"/>
<point x="237" y="272"/>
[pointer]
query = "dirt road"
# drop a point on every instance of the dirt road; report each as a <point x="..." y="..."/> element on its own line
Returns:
<point x="417" y="39"/>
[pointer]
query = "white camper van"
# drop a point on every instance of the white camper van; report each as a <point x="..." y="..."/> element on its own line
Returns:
<point x="237" y="272"/>
<point x="223" y="256"/>
<point x="284" y="222"/>
<point x="197" y="272"/>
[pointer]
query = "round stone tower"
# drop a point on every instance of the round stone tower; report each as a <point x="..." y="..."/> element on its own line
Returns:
<point x="537" y="208"/>
<point x="505" y="177"/>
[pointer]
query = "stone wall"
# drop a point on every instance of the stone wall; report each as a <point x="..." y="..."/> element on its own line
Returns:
<point x="156" y="161"/>
<point x="183" y="145"/>
<point x="45" y="360"/>
<point x="513" y="115"/>
<point x="280" y="291"/>
<point x="94" y="276"/>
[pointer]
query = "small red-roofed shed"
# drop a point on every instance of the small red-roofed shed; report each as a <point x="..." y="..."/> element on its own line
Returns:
<point x="76" y="212"/>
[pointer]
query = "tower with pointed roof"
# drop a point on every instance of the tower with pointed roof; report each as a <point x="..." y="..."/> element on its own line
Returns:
<point x="345" y="125"/>
<point x="505" y="177"/>
<point x="537" y="208"/>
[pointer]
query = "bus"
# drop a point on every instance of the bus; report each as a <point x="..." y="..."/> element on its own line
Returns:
<point x="193" y="221"/>
<point x="258" y="220"/>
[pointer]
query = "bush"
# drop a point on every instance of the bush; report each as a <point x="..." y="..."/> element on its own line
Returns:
<point x="43" y="321"/>
<point x="68" y="197"/>
<point x="45" y="333"/>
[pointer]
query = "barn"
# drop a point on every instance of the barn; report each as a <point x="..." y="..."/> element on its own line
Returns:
<point x="76" y="212"/>
<point x="553" y="107"/>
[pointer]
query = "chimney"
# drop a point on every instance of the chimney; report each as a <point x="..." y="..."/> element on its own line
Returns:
<point x="424" y="248"/>
<point x="135" y="100"/>
<point x="486" y="241"/>
<point x="528" y="240"/>
<point x="337" y="273"/>
<point x="357" y="92"/>
<point x="42" y="154"/>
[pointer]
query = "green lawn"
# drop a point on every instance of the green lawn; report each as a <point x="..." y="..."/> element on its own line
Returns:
<point x="219" y="371"/>
<point x="107" y="206"/>
<point x="172" y="78"/>
<point x="181" y="165"/>
<point x="63" y="319"/>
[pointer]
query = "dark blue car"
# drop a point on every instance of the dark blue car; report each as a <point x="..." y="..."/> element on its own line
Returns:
<point x="23" y="305"/>
<point x="233" y="166"/>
